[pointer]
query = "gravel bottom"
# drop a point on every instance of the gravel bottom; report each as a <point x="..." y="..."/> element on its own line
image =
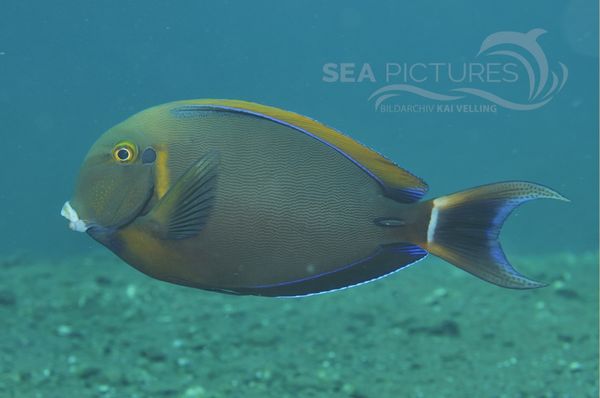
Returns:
<point x="93" y="327"/>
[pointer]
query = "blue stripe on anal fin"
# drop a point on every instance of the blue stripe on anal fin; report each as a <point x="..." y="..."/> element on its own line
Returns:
<point x="384" y="261"/>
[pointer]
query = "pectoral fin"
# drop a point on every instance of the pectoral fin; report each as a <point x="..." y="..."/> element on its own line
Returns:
<point x="184" y="210"/>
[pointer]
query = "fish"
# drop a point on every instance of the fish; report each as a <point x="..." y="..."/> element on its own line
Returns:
<point x="242" y="198"/>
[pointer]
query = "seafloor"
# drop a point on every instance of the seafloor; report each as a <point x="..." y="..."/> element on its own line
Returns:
<point x="93" y="327"/>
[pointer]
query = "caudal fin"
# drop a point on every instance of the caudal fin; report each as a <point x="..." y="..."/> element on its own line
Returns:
<point x="464" y="227"/>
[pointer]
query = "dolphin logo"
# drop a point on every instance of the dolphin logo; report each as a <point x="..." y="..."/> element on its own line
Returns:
<point x="520" y="47"/>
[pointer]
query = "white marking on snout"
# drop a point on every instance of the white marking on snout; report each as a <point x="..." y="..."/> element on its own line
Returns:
<point x="75" y="223"/>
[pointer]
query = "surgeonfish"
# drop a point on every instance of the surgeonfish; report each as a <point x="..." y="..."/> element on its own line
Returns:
<point x="242" y="198"/>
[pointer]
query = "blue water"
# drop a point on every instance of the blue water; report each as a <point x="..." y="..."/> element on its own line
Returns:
<point x="70" y="70"/>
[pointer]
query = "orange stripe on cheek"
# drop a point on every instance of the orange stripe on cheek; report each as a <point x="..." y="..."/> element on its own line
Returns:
<point x="162" y="173"/>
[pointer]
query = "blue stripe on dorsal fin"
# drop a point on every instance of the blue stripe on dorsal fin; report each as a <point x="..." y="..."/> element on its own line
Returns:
<point x="396" y="182"/>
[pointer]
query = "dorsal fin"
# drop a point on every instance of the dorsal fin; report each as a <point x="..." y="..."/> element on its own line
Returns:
<point x="396" y="182"/>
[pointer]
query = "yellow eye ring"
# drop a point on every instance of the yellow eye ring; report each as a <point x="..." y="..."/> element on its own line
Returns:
<point x="124" y="152"/>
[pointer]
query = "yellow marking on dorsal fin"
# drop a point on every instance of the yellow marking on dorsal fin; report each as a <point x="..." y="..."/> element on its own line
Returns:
<point x="162" y="175"/>
<point x="387" y="172"/>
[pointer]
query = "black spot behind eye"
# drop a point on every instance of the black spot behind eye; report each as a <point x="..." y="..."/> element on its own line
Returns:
<point x="148" y="156"/>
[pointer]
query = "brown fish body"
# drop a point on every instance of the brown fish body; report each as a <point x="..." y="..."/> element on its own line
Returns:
<point x="288" y="206"/>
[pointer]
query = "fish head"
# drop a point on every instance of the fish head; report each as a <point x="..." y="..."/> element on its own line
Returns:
<point x="115" y="183"/>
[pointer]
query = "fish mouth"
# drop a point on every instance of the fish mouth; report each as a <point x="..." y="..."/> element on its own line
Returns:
<point x="75" y="223"/>
<point x="79" y="225"/>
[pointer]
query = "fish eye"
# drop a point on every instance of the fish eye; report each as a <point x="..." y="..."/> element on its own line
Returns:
<point x="124" y="152"/>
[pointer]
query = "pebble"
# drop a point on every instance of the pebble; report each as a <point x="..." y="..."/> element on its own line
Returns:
<point x="575" y="367"/>
<point x="177" y="343"/>
<point x="131" y="291"/>
<point x="64" y="330"/>
<point x="348" y="388"/>
<point x="195" y="392"/>
<point x="263" y="374"/>
<point x="436" y="295"/>
<point x="558" y="285"/>
<point x="103" y="388"/>
<point x="507" y="363"/>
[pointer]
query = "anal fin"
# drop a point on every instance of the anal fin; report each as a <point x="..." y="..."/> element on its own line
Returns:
<point x="385" y="260"/>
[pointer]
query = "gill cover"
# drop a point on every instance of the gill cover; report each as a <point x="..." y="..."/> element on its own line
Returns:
<point x="115" y="183"/>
